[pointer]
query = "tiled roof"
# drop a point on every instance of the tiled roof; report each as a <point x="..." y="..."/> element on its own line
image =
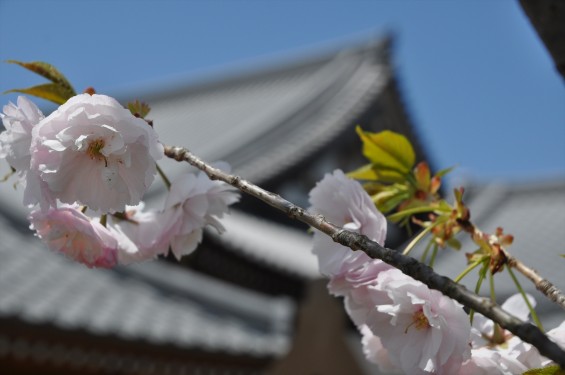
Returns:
<point x="153" y="302"/>
<point x="534" y="213"/>
<point x="267" y="121"/>
<point x="280" y="247"/>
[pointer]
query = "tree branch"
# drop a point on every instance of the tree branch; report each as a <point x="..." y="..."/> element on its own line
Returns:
<point x="543" y="285"/>
<point x="411" y="267"/>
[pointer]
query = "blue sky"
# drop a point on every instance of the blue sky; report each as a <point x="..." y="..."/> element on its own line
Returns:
<point x="477" y="80"/>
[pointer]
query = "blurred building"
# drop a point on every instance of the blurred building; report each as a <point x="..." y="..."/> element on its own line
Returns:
<point x="246" y="302"/>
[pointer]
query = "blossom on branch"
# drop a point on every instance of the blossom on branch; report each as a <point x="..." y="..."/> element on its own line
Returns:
<point x="93" y="151"/>
<point x="68" y="231"/>
<point x="139" y="235"/>
<point x="343" y="202"/>
<point x="194" y="201"/>
<point x="375" y="352"/>
<point x="405" y="325"/>
<point x="358" y="286"/>
<point x="15" y="141"/>
<point x="486" y="361"/>
<point x="424" y="331"/>
<point x="497" y="351"/>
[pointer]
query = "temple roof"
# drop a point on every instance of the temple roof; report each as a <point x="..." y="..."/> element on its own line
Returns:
<point x="268" y="120"/>
<point x="153" y="302"/>
<point x="284" y="248"/>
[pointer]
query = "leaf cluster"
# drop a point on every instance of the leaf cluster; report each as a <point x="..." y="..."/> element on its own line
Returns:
<point x="58" y="91"/>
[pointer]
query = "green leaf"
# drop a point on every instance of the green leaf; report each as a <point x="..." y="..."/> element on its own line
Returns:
<point x="387" y="197"/>
<point x="445" y="171"/>
<point x="48" y="91"/>
<point x="387" y="201"/>
<point x="549" y="370"/>
<point x="388" y="174"/>
<point x="46" y="70"/>
<point x="365" y="172"/>
<point x="444" y="206"/>
<point x="409" y="212"/>
<point x="59" y="92"/>
<point x="391" y="154"/>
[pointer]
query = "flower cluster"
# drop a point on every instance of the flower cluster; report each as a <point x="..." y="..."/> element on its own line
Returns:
<point x="497" y="351"/>
<point x="407" y="327"/>
<point x="92" y="153"/>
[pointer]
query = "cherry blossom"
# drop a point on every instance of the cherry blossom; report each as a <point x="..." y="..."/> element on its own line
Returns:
<point x="139" y="235"/>
<point x="193" y="202"/>
<point x="68" y="231"/>
<point x="485" y="361"/>
<point x="343" y="202"/>
<point x="505" y="353"/>
<point x="484" y="327"/>
<point x="93" y="151"/>
<point x="424" y="331"/>
<point x="376" y="353"/>
<point x="15" y="141"/>
<point x="528" y="354"/>
<point x="358" y="286"/>
<point x="406" y="326"/>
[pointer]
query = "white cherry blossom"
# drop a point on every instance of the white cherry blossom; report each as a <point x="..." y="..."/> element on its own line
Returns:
<point x="424" y="331"/>
<point x="375" y="352"/>
<point x="343" y="202"/>
<point x="512" y="355"/>
<point x="93" y="151"/>
<point x="139" y="235"/>
<point x="193" y="202"/>
<point x="15" y="141"/>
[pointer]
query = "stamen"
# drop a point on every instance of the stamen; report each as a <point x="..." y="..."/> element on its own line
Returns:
<point x="419" y="321"/>
<point x="94" y="150"/>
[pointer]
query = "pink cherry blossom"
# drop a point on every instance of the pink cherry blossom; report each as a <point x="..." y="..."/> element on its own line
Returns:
<point x="37" y="191"/>
<point x="343" y="202"/>
<point x="93" y="151"/>
<point x="426" y="332"/>
<point x="513" y="356"/>
<point x="376" y="353"/>
<point x="193" y="202"/>
<point x="528" y="354"/>
<point x="406" y="326"/>
<point x="358" y="286"/>
<point x="139" y="235"/>
<point x="486" y="361"/>
<point x="68" y="231"/>
<point x="15" y="141"/>
<point x="484" y="327"/>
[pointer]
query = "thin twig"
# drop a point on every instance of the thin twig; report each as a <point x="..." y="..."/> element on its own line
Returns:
<point x="543" y="285"/>
<point x="410" y="266"/>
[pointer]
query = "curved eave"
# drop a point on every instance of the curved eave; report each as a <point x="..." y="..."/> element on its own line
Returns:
<point x="264" y="123"/>
<point x="281" y="247"/>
